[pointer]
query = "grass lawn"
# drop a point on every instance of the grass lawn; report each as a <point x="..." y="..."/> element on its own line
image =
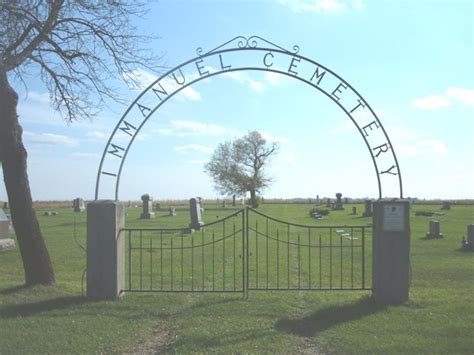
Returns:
<point x="438" y="319"/>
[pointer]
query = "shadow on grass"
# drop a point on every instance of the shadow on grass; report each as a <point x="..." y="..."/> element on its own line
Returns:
<point x="29" y="309"/>
<point x="328" y="317"/>
<point x="10" y="290"/>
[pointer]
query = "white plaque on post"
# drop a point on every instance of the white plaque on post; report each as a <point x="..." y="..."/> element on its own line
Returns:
<point x="394" y="218"/>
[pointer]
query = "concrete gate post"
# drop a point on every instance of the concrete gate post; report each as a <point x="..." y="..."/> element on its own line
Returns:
<point x="105" y="249"/>
<point x="391" y="251"/>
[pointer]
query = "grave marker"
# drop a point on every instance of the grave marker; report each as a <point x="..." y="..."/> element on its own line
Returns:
<point x="4" y="224"/>
<point x="233" y="200"/>
<point x="367" y="208"/>
<point x="78" y="205"/>
<point x="338" y="205"/>
<point x="470" y="235"/>
<point x="147" y="212"/>
<point x="172" y="212"/>
<point x="196" y="218"/>
<point x="434" y="230"/>
<point x="446" y="205"/>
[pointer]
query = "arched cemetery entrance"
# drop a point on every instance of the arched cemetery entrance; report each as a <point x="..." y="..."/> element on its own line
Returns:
<point x="247" y="250"/>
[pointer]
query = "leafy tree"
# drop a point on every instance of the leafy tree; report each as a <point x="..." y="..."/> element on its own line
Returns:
<point x="239" y="166"/>
<point x="78" y="47"/>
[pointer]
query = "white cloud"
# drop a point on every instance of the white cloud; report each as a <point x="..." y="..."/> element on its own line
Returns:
<point x="273" y="78"/>
<point x="245" y="79"/>
<point x="191" y="128"/>
<point x="194" y="148"/>
<point x="435" y="102"/>
<point x="49" y="139"/>
<point x="432" y="102"/>
<point x="466" y="96"/>
<point x="318" y="6"/>
<point x="96" y="135"/>
<point x="139" y="79"/>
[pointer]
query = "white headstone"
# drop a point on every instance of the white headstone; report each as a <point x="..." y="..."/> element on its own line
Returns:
<point x="4" y="224"/>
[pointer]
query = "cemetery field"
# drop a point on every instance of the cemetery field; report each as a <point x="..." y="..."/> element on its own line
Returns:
<point x="438" y="319"/>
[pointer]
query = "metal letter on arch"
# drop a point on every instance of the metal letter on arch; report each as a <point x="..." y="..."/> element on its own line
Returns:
<point x="257" y="54"/>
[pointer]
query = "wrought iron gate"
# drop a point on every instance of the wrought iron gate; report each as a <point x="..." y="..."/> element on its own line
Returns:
<point x="246" y="251"/>
<point x="288" y="256"/>
<point x="176" y="260"/>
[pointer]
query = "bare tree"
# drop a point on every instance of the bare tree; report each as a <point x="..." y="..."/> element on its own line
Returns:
<point x="239" y="166"/>
<point x="78" y="47"/>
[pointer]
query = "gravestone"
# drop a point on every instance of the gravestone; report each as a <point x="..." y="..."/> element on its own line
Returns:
<point x="328" y="202"/>
<point x="224" y="204"/>
<point x="338" y="205"/>
<point x="4" y="224"/>
<point x="147" y="207"/>
<point x="157" y="205"/>
<point x="470" y="235"/>
<point x="346" y="200"/>
<point x="233" y="200"/>
<point x="446" y="205"/>
<point x="172" y="212"/>
<point x="367" y="208"/>
<point x="434" y="230"/>
<point x="354" y="210"/>
<point x="242" y="201"/>
<point x="78" y="205"/>
<point x="318" y="201"/>
<point x="196" y="218"/>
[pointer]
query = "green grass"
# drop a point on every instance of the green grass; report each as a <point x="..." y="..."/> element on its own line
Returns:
<point x="438" y="319"/>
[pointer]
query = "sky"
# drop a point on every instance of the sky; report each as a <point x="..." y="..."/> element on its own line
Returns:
<point x="412" y="61"/>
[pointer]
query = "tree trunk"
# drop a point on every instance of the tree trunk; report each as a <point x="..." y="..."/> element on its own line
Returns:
<point x="253" y="199"/>
<point x="36" y="261"/>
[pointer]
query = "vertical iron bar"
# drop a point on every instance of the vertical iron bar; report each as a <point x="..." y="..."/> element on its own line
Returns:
<point x="234" y="261"/>
<point x="129" y="260"/>
<point x="256" y="254"/>
<point x="278" y="258"/>
<point x="342" y="254"/>
<point x="299" y="262"/>
<point x="202" y="257"/>
<point x="352" y="257"/>
<point x="243" y="252"/>
<point x="161" y="260"/>
<point x="141" y="260"/>
<point x="320" y="263"/>
<point x="363" y="257"/>
<point x="309" y="257"/>
<point x="330" y="257"/>
<point x="213" y="260"/>
<point x="151" y="262"/>
<point x="288" y="255"/>
<point x="223" y="256"/>
<point x="171" y="259"/>
<point x="266" y="253"/>
<point x="247" y="249"/>
<point x="182" y="264"/>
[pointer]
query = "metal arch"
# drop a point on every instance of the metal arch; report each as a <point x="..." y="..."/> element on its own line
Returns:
<point x="250" y="44"/>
